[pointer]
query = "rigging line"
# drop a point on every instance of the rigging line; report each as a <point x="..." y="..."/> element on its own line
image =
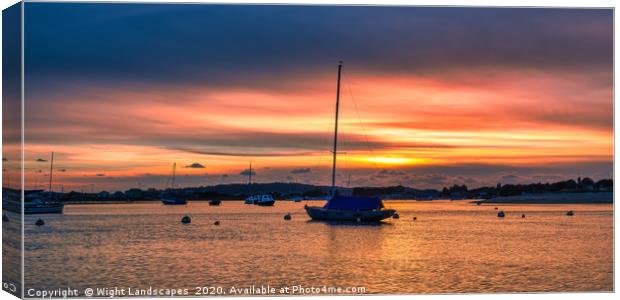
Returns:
<point x="319" y="162"/>
<point x="359" y="119"/>
<point x="345" y="157"/>
<point x="168" y="180"/>
<point x="166" y="183"/>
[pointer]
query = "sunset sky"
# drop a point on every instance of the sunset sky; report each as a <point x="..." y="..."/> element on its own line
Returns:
<point x="430" y="96"/>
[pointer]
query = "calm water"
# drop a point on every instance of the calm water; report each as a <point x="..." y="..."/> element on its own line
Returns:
<point x="451" y="247"/>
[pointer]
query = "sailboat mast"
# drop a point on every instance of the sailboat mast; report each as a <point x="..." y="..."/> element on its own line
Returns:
<point x="174" y="173"/>
<point x="336" y="131"/>
<point x="250" y="176"/>
<point x="51" y="171"/>
<point x="250" y="179"/>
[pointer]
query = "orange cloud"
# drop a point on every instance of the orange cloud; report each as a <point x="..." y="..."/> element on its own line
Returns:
<point x="484" y="116"/>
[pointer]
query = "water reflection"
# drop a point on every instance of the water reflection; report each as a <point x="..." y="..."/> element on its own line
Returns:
<point x="349" y="223"/>
<point x="451" y="247"/>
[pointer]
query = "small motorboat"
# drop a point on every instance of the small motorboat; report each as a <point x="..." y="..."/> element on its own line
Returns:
<point x="215" y="202"/>
<point x="261" y="200"/>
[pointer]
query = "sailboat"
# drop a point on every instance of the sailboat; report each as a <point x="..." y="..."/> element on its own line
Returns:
<point x="169" y="197"/>
<point x="259" y="199"/>
<point x="35" y="201"/>
<point x="347" y="208"/>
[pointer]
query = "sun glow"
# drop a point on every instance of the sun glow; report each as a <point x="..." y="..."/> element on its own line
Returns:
<point x="393" y="160"/>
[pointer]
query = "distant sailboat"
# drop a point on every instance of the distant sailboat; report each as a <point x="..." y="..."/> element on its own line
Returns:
<point x="250" y="199"/>
<point x="347" y="208"/>
<point x="259" y="199"/>
<point x="170" y="197"/>
<point x="35" y="201"/>
<point x="290" y="192"/>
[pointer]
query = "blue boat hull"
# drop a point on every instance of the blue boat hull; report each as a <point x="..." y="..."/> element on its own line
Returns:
<point x="39" y="209"/>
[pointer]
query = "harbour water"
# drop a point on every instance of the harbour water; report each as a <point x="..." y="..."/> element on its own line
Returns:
<point x="451" y="247"/>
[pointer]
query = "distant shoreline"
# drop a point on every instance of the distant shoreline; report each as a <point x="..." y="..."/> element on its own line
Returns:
<point x="139" y="201"/>
<point x="555" y="198"/>
<point x="546" y="198"/>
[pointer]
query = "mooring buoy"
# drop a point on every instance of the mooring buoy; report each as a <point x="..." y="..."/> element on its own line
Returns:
<point x="501" y="214"/>
<point x="415" y="218"/>
<point x="186" y="220"/>
<point x="287" y="216"/>
<point x="216" y="223"/>
<point x="523" y="216"/>
<point x="569" y="213"/>
<point x="39" y="222"/>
